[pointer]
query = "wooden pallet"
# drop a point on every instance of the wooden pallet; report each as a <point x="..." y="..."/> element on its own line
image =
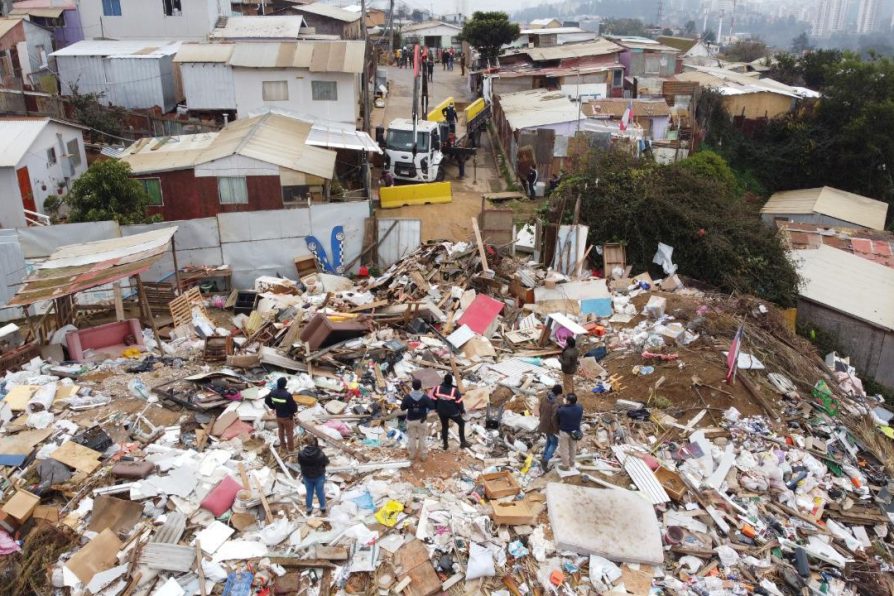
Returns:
<point x="181" y="306"/>
<point x="159" y="295"/>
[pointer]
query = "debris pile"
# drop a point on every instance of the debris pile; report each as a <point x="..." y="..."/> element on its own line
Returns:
<point x="718" y="454"/>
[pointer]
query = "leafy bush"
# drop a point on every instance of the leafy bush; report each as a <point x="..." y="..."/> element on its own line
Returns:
<point x="692" y="206"/>
<point x="107" y="192"/>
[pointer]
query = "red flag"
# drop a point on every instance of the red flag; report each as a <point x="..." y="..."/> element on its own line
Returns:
<point x="732" y="357"/>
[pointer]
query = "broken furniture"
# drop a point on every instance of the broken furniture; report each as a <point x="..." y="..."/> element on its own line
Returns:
<point x="322" y="331"/>
<point x="111" y="338"/>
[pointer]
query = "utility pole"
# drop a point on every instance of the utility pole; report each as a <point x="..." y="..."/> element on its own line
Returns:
<point x="660" y="13"/>
<point x="364" y="81"/>
<point x="391" y="29"/>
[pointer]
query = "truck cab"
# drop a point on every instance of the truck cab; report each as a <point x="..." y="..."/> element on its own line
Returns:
<point x="412" y="160"/>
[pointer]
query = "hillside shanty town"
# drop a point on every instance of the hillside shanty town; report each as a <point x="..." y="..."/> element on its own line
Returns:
<point x="318" y="298"/>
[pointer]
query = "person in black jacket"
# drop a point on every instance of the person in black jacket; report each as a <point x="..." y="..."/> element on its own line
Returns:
<point x="417" y="405"/>
<point x="281" y="400"/>
<point x="449" y="406"/>
<point x="313" y="464"/>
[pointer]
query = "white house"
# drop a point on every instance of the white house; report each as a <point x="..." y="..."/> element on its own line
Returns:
<point x="151" y="19"/>
<point x="434" y="34"/>
<point x="39" y="158"/>
<point x="134" y="74"/>
<point x="259" y="28"/>
<point x="315" y="79"/>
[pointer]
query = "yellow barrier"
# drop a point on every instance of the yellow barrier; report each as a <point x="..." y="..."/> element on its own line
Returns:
<point x="436" y="114"/>
<point x="474" y="108"/>
<point x="415" y="194"/>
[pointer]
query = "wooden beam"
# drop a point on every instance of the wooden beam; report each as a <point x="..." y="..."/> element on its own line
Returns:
<point x="176" y="266"/>
<point x="145" y="302"/>
<point x="334" y="442"/>
<point x="371" y="246"/>
<point x="119" y="301"/>
<point x="202" y="588"/>
<point x="481" y="252"/>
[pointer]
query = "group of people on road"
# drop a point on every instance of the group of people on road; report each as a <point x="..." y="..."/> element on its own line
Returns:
<point x="560" y="422"/>
<point x="403" y="58"/>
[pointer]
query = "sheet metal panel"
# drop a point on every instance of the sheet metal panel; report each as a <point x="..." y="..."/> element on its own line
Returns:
<point x="208" y="86"/>
<point x="642" y="476"/>
<point x="12" y="265"/>
<point x="41" y="242"/>
<point x="263" y="225"/>
<point x="403" y="239"/>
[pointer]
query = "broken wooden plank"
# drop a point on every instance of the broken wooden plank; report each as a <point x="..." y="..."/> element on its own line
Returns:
<point x="334" y="442"/>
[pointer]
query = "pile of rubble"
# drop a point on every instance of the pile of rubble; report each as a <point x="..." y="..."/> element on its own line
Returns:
<point x="160" y="471"/>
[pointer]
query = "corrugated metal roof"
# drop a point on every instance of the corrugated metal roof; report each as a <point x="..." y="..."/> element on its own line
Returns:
<point x="260" y="27"/>
<point x="78" y="267"/>
<point x="597" y="47"/>
<point x="553" y="31"/>
<point x="847" y="283"/>
<point x="728" y="82"/>
<point x="271" y="138"/>
<point x="642" y="476"/>
<point x="46" y="13"/>
<point x="17" y="135"/>
<point x="63" y="4"/>
<point x="318" y="56"/>
<point x="643" y="43"/>
<point x="340" y="138"/>
<point x="131" y="48"/>
<point x="428" y="25"/>
<point x="8" y="24"/>
<point x="332" y="12"/>
<point x="204" y="52"/>
<point x="537" y="107"/>
<point x="832" y="202"/>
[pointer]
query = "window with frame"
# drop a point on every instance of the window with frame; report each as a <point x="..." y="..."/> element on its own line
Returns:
<point x="233" y="190"/>
<point x="617" y="78"/>
<point x="51" y="156"/>
<point x="324" y="90"/>
<point x="275" y="90"/>
<point x="74" y="153"/>
<point x="653" y="65"/>
<point x="152" y="186"/>
<point x="172" y="8"/>
<point x="111" y="8"/>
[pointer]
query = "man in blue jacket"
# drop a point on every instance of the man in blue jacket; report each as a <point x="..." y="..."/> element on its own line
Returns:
<point x="569" y="416"/>
<point x="417" y="405"/>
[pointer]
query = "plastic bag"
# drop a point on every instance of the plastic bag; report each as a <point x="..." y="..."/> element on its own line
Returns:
<point x="387" y="515"/>
<point x="481" y="562"/>
<point x="138" y="389"/>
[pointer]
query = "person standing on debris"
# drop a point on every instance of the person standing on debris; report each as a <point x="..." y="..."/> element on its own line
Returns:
<point x="568" y="360"/>
<point x="568" y="418"/>
<point x="281" y="401"/>
<point x="549" y="403"/>
<point x="450" y="407"/>
<point x="417" y="405"/>
<point x="313" y="464"/>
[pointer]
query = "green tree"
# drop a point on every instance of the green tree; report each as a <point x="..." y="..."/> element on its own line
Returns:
<point x="90" y="111"/>
<point x="633" y="27"/>
<point x="709" y="36"/>
<point x="801" y="43"/>
<point x="786" y="69"/>
<point x="815" y="65"/>
<point x="717" y="237"/>
<point x="689" y="29"/>
<point x="107" y="192"/>
<point x="747" y="50"/>
<point x="488" y="31"/>
<point x="709" y="165"/>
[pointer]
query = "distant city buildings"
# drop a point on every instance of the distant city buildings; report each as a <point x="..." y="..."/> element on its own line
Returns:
<point x="831" y="17"/>
<point x="867" y="16"/>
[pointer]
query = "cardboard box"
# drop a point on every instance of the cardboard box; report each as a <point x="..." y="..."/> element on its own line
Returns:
<point x="499" y="484"/>
<point x="517" y="513"/>
<point x="21" y="506"/>
<point x="672" y="483"/>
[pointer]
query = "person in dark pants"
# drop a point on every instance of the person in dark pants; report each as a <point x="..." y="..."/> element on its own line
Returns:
<point x="548" y="424"/>
<point x="450" y="116"/>
<point x="568" y="360"/>
<point x="313" y="464"/>
<point x="431" y="68"/>
<point x="569" y="416"/>
<point x="532" y="181"/>
<point x="449" y="406"/>
<point x="281" y="401"/>
<point x="417" y="406"/>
